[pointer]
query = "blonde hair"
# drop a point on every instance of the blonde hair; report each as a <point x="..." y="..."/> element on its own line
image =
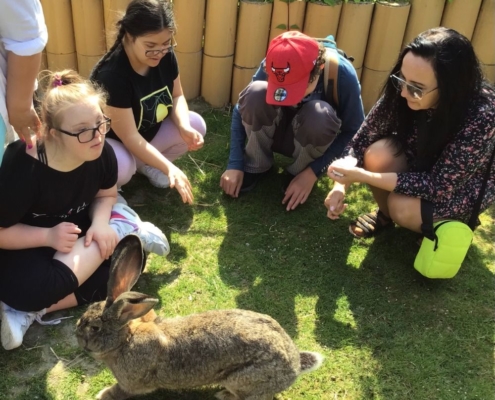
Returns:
<point x="63" y="89"/>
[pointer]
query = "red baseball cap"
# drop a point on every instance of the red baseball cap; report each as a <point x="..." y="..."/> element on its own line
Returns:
<point x="289" y="61"/>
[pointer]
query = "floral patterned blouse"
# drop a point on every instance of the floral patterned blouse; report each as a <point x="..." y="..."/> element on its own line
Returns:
<point x="454" y="181"/>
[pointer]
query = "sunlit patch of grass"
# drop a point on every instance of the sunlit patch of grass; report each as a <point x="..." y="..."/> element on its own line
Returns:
<point x="386" y="332"/>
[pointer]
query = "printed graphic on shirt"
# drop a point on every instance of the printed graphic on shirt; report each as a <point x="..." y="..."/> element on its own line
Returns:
<point x="72" y="211"/>
<point x="154" y="108"/>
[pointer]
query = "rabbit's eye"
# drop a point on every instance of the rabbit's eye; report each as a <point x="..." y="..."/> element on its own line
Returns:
<point x="95" y="328"/>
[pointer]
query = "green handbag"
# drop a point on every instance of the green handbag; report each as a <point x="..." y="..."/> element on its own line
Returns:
<point x="442" y="257"/>
<point x="447" y="242"/>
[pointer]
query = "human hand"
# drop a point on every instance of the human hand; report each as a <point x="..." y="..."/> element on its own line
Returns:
<point x="231" y="182"/>
<point x="334" y="202"/>
<point x="179" y="181"/>
<point x="63" y="236"/>
<point x="192" y="137"/>
<point x="344" y="171"/>
<point x="25" y="122"/>
<point x="299" y="189"/>
<point x="104" y="236"/>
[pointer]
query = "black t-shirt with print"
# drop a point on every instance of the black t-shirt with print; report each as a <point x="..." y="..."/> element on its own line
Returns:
<point x="150" y="96"/>
<point x="34" y="194"/>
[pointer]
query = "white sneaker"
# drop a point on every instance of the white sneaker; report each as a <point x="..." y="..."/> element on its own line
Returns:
<point x="125" y="221"/>
<point x="156" y="177"/>
<point x="15" y="324"/>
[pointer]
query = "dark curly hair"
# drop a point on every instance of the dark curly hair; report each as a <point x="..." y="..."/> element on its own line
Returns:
<point x="315" y="73"/>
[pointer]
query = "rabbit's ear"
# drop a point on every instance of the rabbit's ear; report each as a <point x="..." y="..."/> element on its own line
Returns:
<point x="127" y="262"/>
<point x="129" y="306"/>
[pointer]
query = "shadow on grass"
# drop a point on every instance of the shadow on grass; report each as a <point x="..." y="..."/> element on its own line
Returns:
<point x="162" y="207"/>
<point x="426" y="338"/>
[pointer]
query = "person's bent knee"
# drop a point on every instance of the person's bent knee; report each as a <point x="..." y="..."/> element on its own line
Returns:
<point x="126" y="162"/>
<point x="316" y="123"/>
<point x="197" y="122"/>
<point x="382" y="156"/>
<point x="253" y="106"/>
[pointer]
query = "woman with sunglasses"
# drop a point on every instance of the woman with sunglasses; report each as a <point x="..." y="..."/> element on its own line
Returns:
<point x="151" y="123"/>
<point x="59" y="223"/>
<point x="430" y="136"/>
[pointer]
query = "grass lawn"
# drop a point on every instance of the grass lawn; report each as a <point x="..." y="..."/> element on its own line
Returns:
<point x="386" y="332"/>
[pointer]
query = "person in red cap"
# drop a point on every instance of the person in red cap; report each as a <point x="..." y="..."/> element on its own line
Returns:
<point x="285" y="110"/>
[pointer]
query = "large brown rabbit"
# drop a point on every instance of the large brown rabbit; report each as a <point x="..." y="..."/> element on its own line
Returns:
<point x="247" y="353"/>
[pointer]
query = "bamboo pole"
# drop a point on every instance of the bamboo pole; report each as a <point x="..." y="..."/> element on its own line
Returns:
<point x="241" y="78"/>
<point x="461" y="15"/>
<point x="216" y="80"/>
<point x="218" y="57"/>
<point x="190" y="73"/>
<point x="424" y="14"/>
<point x="386" y="34"/>
<point x="483" y="36"/>
<point x="321" y="19"/>
<point x="353" y="32"/>
<point x="89" y="31"/>
<point x="251" y="44"/>
<point x="287" y="16"/>
<point x="61" y="46"/>
<point x="384" y="44"/>
<point x="113" y="10"/>
<point x="371" y="84"/>
<point x="189" y="16"/>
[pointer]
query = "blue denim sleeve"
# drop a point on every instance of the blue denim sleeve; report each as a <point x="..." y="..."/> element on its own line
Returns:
<point x="350" y="111"/>
<point x="237" y="141"/>
<point x="237" y="131"/>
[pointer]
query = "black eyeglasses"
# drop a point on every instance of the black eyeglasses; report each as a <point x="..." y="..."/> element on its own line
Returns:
<point x="414" y="91"/>
<point x="87" y="135"/>
<point x="163" y="52"/>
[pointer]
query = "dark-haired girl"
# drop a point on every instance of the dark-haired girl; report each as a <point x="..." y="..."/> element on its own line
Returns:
<point x="151" y="123"/>
<point x="430" y="136"/>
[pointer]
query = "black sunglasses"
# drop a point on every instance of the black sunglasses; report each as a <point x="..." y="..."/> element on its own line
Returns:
<point x="87" y="135"/>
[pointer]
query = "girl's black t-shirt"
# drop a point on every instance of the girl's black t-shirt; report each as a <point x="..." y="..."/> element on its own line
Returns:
<point x="34" y="194"/>
<point x="149" y="97"/>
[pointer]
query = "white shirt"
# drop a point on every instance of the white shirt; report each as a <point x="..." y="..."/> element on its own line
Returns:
<point x="23" y="32"/>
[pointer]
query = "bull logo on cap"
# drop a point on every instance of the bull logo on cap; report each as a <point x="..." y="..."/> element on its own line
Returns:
<point x="281" y="72"/>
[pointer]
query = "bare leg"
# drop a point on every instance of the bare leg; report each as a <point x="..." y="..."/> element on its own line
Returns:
<point x="380" y="157"/>
<point x="405" y="211"/>
<point x="67" y="302"/>
<point x="82" y="260"/>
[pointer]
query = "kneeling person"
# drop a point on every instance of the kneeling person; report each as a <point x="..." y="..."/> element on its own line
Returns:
<point x="285" y="110"/>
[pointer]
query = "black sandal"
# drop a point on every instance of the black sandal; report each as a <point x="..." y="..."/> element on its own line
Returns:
<point x="370" y="224"/>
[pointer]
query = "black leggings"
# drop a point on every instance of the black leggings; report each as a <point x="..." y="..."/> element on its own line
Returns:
<point x="31" y="280"/>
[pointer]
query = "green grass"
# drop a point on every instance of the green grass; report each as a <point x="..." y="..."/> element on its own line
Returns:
<point x="386" y="332"/>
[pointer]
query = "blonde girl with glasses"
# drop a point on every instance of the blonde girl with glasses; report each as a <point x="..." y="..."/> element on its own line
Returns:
<point x="429" y="138"/>
<point x="59" y="223"/>
<point x="151" y="123"/>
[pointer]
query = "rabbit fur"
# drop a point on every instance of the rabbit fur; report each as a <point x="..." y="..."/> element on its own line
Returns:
<point x="247" y="353"/>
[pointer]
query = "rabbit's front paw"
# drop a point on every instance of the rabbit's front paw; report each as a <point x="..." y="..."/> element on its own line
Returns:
<point x="104" y="394"/>
<point x="112" y="393"/>
<point x="226" y="395"/>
